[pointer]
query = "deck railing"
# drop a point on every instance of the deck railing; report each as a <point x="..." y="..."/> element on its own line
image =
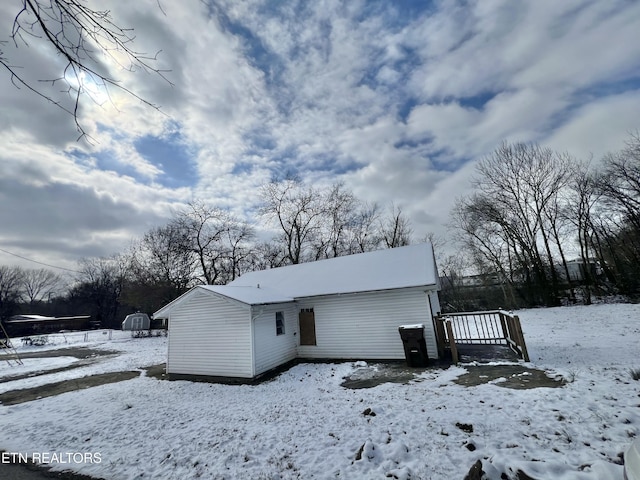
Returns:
<point x="495" y="327"/>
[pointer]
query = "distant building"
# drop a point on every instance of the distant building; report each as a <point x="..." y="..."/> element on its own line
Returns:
<point x="19" y="325"/>
<point x="136" y="321"/>
<point x="578" y="270"/>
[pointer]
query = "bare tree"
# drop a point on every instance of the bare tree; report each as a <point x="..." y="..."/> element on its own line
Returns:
<point x="99" y="287"/>
<point x="437" y="241"/>
<point x="514" y="221"/>
<point x="364" y="231"/>
<point x="620" y="183"/>
<point x="10" y="289"/>
<point x="619" y="232"/>
<point x="551" y="196"/>
<point x="581" y="207"/>
<point x="87" y="40"/>
<point x="296" y="210"/>
<point x="219" y="241"/>
<point x="452" y="270"/>
<point x="395" y="228"/>
<point x="484" y="232"/>
<point x="161" y="266"/>
<point x="266" y="255"/>
<point x="205" y="227"/>
<point x="237" y="243"/>
<point x="316" y="223"/>
<point x="339" y="208"/>
<point x="39" y="284"/>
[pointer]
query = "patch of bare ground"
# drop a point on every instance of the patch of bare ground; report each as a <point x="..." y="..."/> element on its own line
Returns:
<point x="514" y="376"/>
<point x="14" y="397"/>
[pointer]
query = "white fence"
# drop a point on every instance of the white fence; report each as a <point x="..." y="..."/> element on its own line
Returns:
<point x="87" y="336"/>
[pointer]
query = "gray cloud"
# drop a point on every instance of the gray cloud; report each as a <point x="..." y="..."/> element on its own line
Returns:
<point x="397" y="104"/>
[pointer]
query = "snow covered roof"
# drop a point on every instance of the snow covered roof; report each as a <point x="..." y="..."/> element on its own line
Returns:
<point x="29" y="317"/>
<point x="402" y="267"/>
<point x="41" y="318"/>
<point x="246" y="295"/>
<point x="250" y="295"/>
<point x="410" y="266"/>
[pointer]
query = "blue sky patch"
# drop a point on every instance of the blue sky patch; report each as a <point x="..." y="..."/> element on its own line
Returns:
<point x="170" y="154"/>
<point x="405" y="108"/>
<point x="478" y="101"/>
<point x="607" y="88"/>
<point x="241" y="168"/>
<point x="106" y="160"/>
<point x="259" y="142"/>
<point x="329" y="164"/>
<point x="407" y="144"/>
<point x="258" y="55"/>
<point x="443" y="161"/>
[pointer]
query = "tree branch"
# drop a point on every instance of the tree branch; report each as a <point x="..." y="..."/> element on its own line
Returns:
<point x="78" y="34"/>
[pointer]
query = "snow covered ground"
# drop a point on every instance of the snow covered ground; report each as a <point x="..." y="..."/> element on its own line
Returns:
<point x="303" y="424"/>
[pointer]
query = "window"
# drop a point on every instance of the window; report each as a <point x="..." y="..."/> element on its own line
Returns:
<point x="279" y="323"/>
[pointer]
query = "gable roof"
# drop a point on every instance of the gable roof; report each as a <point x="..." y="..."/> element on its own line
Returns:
<point x="401" y="267"/>
<point x="245" y="295"/>
<point x="250" y="295"/>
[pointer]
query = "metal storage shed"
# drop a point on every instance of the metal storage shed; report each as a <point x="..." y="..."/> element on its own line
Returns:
<point x="136" y="321"/>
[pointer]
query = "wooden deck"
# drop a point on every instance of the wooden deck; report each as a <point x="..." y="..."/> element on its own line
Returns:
<point x="485" y="353"/>
<point x="475" y="333"/>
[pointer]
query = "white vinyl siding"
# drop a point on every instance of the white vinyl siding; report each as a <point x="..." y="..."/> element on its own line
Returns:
<point x="365" y="325"/>
<point x="270" y="348"/>
<point x="210" y="335"/>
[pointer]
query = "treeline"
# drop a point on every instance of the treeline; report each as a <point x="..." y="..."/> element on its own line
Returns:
<point x="534" y="215"/>
<point x="535" y="211"/>
<point x="28" y="287"/>
<point x="204" y="244"/>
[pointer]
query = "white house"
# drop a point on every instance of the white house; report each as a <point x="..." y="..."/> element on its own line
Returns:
<point x="341" y="308"/>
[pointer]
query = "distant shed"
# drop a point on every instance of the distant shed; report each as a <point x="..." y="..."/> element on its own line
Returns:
<point x="136" y="321"/>
<point x="341" y="308"/>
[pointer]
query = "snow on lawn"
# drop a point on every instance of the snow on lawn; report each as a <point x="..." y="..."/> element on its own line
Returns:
<point x="32" y="365"/>
<point x="134" y="354"/>
<point x="54" y="341"/>
<point x="303" y="424"/>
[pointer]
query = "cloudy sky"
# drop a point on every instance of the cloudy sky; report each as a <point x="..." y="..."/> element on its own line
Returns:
<point x="396" y="99"/>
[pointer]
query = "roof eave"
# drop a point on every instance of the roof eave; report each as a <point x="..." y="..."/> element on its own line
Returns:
<point x="427" y="286"/>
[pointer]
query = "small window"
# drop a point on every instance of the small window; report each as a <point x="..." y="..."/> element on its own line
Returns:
<point x="279" y="323"/>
